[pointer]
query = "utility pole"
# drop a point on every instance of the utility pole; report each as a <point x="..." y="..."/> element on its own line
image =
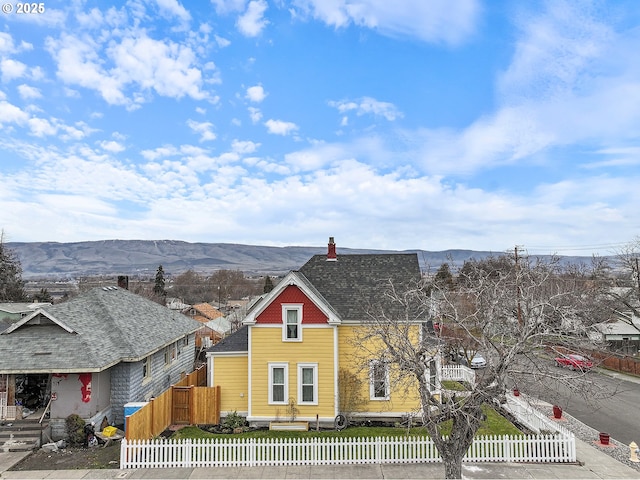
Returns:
<point x="518" y="292"/>
<point x="638" y="276"/>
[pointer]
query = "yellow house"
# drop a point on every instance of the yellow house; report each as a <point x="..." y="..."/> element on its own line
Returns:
<point x="298" y="344"/>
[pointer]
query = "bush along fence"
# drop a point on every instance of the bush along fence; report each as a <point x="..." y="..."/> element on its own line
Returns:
<point x="251" y="452"/>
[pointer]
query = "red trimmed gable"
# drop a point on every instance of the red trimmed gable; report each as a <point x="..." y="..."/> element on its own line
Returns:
<point x="311" y="314"/>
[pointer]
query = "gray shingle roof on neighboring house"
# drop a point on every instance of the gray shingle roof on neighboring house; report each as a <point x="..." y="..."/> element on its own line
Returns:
<point x="108" y="325"/>
<point x="238" y="341"/>
<point x="352" y="281"/>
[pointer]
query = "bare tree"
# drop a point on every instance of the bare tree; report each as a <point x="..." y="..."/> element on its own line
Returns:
<point x="627" y="295"/>
<point x="510" y="309"/>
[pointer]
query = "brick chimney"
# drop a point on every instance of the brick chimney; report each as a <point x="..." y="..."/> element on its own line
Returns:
<point x="331" y="252"/>
<point x="123" y="281"/>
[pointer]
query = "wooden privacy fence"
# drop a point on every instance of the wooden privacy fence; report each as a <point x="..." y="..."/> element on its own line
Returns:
<point x="183" y="403"/>
<point x="251" y="452"/>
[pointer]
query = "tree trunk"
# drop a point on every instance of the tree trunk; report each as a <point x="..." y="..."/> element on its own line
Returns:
<point x="453" y="468"/>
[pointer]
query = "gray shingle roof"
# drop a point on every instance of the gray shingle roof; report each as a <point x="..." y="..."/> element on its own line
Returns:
<point x="109" y="325"/>
<point x="352" y="281"/>
<point x="238" y="341"/>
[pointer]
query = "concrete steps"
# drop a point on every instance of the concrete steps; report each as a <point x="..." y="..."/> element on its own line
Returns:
<point x="20" y="435"/>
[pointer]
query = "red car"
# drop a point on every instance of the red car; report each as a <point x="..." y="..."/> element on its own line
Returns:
<point x="574" y="362"/>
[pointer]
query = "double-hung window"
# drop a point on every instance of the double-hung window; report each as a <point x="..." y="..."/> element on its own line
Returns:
<point x="146" y="368"/>
<point x="379" y="380"/>
<point x="278" y="383"/>
<point x="292" y="323"/>
<point x="307" y="383"/>
<point x="170" y="354"/>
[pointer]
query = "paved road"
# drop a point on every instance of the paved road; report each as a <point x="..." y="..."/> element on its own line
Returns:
<point x="619" y="415"/>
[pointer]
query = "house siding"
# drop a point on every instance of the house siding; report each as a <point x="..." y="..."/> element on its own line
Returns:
<point x="231" y="373"/>
<point x="128" y="384"/>
<point x="317" y="347"/>
<point x="403" y="399"/>
<point x="292" y="295"/>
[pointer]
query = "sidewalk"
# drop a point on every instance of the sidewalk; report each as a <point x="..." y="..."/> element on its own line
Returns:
<point x="592" y="464"/>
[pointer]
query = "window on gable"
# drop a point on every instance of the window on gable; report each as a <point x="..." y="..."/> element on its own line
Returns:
<point x="379" y="380"/>
<point x="292" y="323"/>
<point x="308" y="383"/>
<point x="278" y="383"/>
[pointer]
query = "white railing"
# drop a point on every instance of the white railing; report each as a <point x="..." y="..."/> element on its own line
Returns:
<point x="458" y="373"/>
<point x="8" y="412"/>
<point x="251" y="452"/>
<point x="532" y="418"/>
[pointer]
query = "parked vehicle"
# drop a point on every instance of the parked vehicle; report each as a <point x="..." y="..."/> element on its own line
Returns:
<point x="478" y="361"/>
<point x="574" y="362"/>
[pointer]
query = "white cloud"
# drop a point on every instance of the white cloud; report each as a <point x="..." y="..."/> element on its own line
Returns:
<point x="368" y="105"/>
<point x="91" y="19"/>
<point x="167" y="67"/>
<point x="11" y="69"/>
<point x="252" y="22"/>
<point x="433" y="21"/>
<point x="255" y="114"/>
<point x="112" y="146"/>
<point x="29" y="93"/>
<point x="221" y="41"/>
<point x="174" y="8"/>
<point x="11" y="114"/>
<point x="227" y="6"/>
<point x="41" y="127"/>
<point x="6" y="43"/>
<point x="204" y="129"/>
<point x="256" y="94"/>
<point x="244" y="147"/>
<point x="137" y="63"/>
<point x="279" y="127"/>
<point x="554" y="49"/>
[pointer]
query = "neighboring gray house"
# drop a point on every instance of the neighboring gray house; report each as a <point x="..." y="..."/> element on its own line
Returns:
<point x="621" y="335"/>
<point x="93" y="354"/>
<point x="12" y="311"/>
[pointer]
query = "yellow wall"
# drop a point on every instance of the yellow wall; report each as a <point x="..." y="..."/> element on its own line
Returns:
<point x="231" y="374"/>
<point x="404" y="397"/>
<point x="317" y="347"/>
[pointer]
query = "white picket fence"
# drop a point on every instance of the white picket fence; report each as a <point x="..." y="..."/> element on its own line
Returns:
<point x="252" y="452"/>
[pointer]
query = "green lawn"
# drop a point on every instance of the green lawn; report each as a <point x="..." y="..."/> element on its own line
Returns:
<point x="495" y="424"/>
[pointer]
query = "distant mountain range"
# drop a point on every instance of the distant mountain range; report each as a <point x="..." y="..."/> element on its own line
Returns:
<point x="142" y="257"/>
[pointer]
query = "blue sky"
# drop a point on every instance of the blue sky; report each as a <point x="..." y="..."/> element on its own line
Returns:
<point x="395" y="125"/>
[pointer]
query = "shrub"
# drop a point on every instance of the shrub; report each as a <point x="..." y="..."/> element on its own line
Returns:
<point x="75" y="429"/>
<point x="233" y="420"/>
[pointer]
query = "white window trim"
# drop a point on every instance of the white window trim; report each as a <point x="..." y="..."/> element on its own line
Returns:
<point x="146" y="363"/>
<point x="314" y="366"/>
<point x="285" y="309"/>
<point x="286" y="383"/>
<point x="372" y="389"/>
<point x="170" y="354"/>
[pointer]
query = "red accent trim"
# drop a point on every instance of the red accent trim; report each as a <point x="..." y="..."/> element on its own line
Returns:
<point x="311" y="314"/>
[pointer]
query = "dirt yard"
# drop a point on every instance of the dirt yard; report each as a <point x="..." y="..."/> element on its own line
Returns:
<point x="72" y="459"/>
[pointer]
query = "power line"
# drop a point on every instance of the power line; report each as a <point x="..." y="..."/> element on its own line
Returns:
<point x="558" y="248"/>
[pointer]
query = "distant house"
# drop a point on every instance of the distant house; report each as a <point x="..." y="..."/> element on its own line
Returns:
<point x="210" y="317"/>
<point x="12" y="311"/>
<point x="296" y="343"/>
<point x="621" y="335"/>
<point x="93" y="354"/>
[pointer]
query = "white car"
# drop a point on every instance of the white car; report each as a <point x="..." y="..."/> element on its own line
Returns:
<point x="478" y="361"/>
